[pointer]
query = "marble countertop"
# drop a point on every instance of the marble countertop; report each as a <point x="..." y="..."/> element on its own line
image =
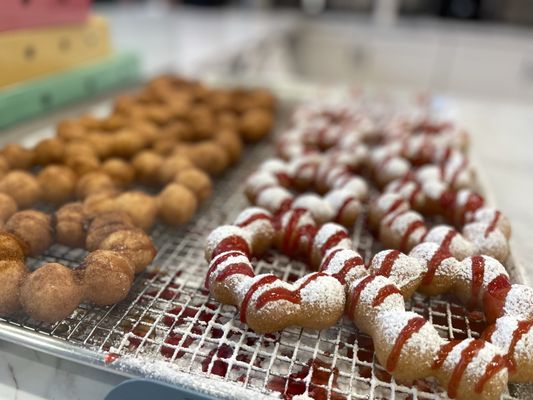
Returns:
<point x="501" y="141"/>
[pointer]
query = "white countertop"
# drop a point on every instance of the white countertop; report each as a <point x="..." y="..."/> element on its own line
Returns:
<point x="186" y="38"/>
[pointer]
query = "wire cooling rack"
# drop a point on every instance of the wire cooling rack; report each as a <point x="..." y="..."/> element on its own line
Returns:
<point x="169" y="328"/>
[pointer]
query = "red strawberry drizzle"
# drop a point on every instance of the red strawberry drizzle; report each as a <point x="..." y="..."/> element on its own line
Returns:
<point x="492" y="226"/>
<point x="494" y="297"/>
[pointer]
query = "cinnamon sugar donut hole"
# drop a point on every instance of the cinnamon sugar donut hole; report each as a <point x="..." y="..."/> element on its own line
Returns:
<point x="105" y="224"/>
<point x="70" y="225"/>
<point x="68" y="130"/>
<point x="141" y="207"/>
<point x="208" y="156"/>
<point x="113" y="122"/>
<point x="164" y="146"/>
<point x="33" y="228"/>
<point x="197" y="182"/>
<point x="121" y="172"/>
<point x="177" y="204"/>
<point x="202" y="122"/>
<point x="8" y="207"/>
<point x="231" y="142"/>
<point x="126" y="143"/>
<point x="49" y="151"/>
<point x="13" y="274"/>
<point x="90" y="122"/>
<point x="107" y="277"/>
<point x="172" y="166"/>
<point x="147" y="165"/>
<point x="51" y="293"/>
<point x="57" y="183"/>
<point x="11" y="247"/>
<point x="255" y="124"/>
<point x="102" y="144"/>
<point x="82" y="164"/>
<point x="77" y="147"/>
<point x="18" y="157"/>
<point x="4" y="166"/>
<point x="94" y="183"/>
<point x="228" y="120"/>
<point x="22" y="187"/>
<point x="132" y="244"/>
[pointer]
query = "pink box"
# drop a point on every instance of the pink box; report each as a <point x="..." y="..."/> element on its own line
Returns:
<point x="18" y="14"/>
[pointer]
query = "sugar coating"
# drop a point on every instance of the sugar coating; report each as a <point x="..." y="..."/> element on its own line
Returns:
<point x="459" y="246"/>
<point x="434" y="189"/>
<point x="328" y="230"/>
<point x="356" y="185"/>
<point x="272" y="198"/>
<point x="274" y="165"/>
<point x="222" y="232"/>
<point x="518" y="302"/>
<point x="428" y="173"/>
<point x="503" y="333"/>
<point x="492" y="269"/>
<point x="462" y="197"/>
<point x="405" y="270"/>
<point x="424" y="252"/>
<point x="403" y="221"/>
<point x="325" y="291"/>
<point x="476" y="368"/>
<point x="316" y="205"/>
<point x="236" y="259"/>
<point x="371" y="290"/>
<point x="338" y="197"/>
<point x="386" y="201"/>
<point x="396" y="166"/>
<point x="340" y="257"/>
<point x="249" y="212"/>
<point x="494" y="243"/>
<point x="261" y="179"/>
<point x="303" y="219"/>
<point x="334" y="174"/>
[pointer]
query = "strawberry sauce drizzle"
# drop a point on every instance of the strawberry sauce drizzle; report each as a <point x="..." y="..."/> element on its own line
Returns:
<point x="282" y="293"/>
<point x="265" y="280"/>
<point x="289" y="236"/>
<point x="347" y="267"/>
<point x="478" y="271"/>
<point x="413" y="226"/>
<point x="252" y="218"/>
<point x="233" y="242"/>
<point x="413" y="326"/>
<point x="385" y="292"/>
<point x="343" y="207"/>
<point x="440" y="255"/>
<point x="356" y="293"/>
<point x="493" y="223"/>
<point x="388" y="263"/>
<point x="467" y="355"/>
<point x="497" y="363"/>
<point x="443" y="353"/>
<point x="220" y="260"/>
<point x="494" y="297"/>
<point x="522" y="328"/>
<point x="333" y="240"/>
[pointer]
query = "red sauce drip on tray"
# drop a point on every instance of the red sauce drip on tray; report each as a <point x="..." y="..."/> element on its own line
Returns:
<point x="265" y="280"/>
<point x="388" y="263"/>
<point x="111" y="357"/>
<point x="478" y="271"/>
<point x="494" y="297"/>
<point x="496" y="365"/>
<point x="220" y="367"/>
<point x="383" y="293"/>
<point x="522" y="328"/>
<point x="282" y="293"/>
<point x="356" y="293"/>
<point x="413" y="326"/>
<point x="467" y="355"/>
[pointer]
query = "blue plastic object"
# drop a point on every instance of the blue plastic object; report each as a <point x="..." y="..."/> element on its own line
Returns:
<point x="143" y="389"/>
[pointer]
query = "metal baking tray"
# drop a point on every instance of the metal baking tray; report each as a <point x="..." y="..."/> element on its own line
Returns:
<point x="170" y="330"/>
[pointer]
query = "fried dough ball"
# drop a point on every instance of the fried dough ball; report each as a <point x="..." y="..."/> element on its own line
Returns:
<point x="177" y="204"/>
<point x="147" y="130"/>
<point x="102" y="144"/>
<point x="107" y="277"/>
<point x="113" y="122"/>
<point x="94" y="183"/>
<point x="119" y="170"/>
<point x="172" y="166"/>
<point x="103" y="225"/>
<point x="262" y="98"/>
<point x="79" y="147"/>
<point x="90" y="122"/>
<point x="227" y="120"/>
<point x="197" y="182"/>
<point x="231" y="142"/>
<point x="134" y="245"/>
<point x="255" y="124"/>
<point x="208" y="156"/>
<point x="57" y="183"/>
<point x="49" y="151"/>
<point x="147" y="165"/>
<point x="22" y="187"/>
<point x="51" y="293"/>
<point x="18" y="157"/>
<point x="126" y="143"/>
<point x="33" y="228"/>
<point x="164" y="146"/>
<point x="4" y="166"/>
<point x="141" y="207"/>
<point x="69" y="226"/>
<point x="68" y="130"/>
<point x="202" y="122"/>
<point x="12" y="273"/>
<point x="99" y="203"/>
<point x="11" y="247"/>
<point x="8" y="207"/>
<point x="82" y="164"/>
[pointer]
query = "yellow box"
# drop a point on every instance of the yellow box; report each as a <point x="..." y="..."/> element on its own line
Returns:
<point x="31" y="53"/>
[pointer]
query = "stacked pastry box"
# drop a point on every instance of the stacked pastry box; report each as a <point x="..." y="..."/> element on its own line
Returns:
<point x="53" y="52"/>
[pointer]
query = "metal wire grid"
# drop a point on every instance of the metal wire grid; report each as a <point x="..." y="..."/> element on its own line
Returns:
<point x="168" y="317"/>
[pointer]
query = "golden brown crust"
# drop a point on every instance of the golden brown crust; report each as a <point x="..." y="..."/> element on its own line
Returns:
<point x="49" y="151"/>
<point x="132" y="244"/>
<point x="33" y="228"/>
<point x="18" y="157"/>
<point x="69" y="225"/>
<point x="198" y="182"/>
<point x="177" y="204"/>
<point x="22" y="187"/>
<point x="57" y="183"/>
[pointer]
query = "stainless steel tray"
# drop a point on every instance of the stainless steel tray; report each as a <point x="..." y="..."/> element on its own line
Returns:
<point x="169" y="329"/>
